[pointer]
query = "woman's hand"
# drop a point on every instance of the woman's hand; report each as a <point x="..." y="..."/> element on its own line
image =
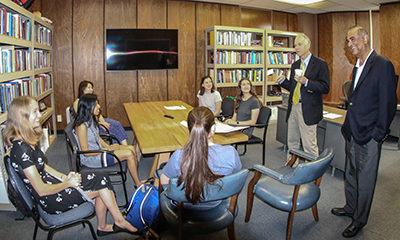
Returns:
<point x="74" y="179"/>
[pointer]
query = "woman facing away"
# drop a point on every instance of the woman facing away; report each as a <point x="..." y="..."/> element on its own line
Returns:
<point x="200" y="161"/>
<point x="54" y="191"/>
<point x="247" y="107"/>
<point x="114" y="127"/>
<point x="86" y="129"/>
<point x="209" y="97"/>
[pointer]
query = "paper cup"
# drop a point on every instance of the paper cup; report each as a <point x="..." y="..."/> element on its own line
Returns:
<point x="298" y="72"/>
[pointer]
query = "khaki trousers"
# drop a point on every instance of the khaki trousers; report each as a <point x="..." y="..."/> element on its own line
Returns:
<point x="298" y="131"/>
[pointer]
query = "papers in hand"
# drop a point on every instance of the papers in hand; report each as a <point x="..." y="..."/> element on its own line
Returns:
<point x="181" y="107"/>
<point x="222" y="127"/>
<point x="332" y="115"/>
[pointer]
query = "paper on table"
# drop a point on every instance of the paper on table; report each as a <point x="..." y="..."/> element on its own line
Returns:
<point x="222" y="127"/>
<point x="181" y="107"/>
<point x="332" y="115"/>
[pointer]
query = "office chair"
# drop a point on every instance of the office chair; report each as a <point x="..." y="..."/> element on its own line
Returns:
<point x="47" y="222"/>
<point x="224" y="191"/>
<point x="74" y="153"/>
<point x="346" y="92"/>
<point x="262" y="122"/>
<point x="290" y="189"/>
<point x="227" y="108"/>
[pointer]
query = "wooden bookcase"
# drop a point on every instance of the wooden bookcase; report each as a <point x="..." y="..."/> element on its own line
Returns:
<point x="279" y="55"/>
<point x="27" y="37"/>
<point x="233" y="53"/>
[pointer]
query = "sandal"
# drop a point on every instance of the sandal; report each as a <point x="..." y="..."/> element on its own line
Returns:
<point x="117" y="229"/>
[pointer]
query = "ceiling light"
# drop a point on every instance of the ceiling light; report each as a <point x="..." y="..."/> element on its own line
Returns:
<point x="299" y="2"/>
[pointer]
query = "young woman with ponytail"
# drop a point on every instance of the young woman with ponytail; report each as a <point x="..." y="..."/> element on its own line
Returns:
<point x="200" y="161"/>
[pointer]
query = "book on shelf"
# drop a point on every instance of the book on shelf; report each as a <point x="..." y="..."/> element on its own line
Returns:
<point x="42" y="35"/>
<point x="7" y="61"/>
<point x="14" y="24"/>
<point x="41" y="58"/>
<point x="235" y="75"/>
<point x="234" y="38"/>
<point x="23" y="87"/>
<point x="282" y="57"/>
<point x="234" y="57"/>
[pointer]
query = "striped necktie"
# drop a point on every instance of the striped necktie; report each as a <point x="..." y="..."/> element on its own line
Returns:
<point x="296" y="93"/>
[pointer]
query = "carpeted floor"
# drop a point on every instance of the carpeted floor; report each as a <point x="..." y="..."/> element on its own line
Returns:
<point x="266" y="222"/>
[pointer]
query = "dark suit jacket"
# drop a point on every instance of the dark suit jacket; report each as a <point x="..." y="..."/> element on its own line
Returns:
<point x="372" y="104"/>
<point x="311" y="96"/>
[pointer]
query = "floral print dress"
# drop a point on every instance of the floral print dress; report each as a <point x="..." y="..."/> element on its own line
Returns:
<point x="23" y="156"/>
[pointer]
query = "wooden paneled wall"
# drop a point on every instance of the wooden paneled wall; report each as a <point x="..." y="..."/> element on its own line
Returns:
<point x="79" y="39"/>
<point x="332" y="31"/>
<point x="390" y="24"/>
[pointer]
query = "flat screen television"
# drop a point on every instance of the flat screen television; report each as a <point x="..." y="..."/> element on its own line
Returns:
<point x="133" y="49"/>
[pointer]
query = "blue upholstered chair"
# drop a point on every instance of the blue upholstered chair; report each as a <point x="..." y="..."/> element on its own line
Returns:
<point x="47" y="222"/>
<point x="224" y="192"/>
<point x="290" y="189"/>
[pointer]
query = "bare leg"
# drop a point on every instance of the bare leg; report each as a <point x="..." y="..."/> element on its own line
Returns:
<point x="101" y="214"/>
<point x="124" y="142"/>
<point x="130" y="157"/>
<point x="108" y="200"/>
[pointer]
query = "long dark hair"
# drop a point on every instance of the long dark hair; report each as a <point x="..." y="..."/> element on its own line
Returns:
<point x="194" y="165"/>
<point x="82" y="86"/>
<point x="86" y="105"/>
<point x="239" y="96"/>
<point x="202" y="89"/>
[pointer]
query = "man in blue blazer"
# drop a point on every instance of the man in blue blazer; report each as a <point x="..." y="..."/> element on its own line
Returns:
<point x="371" y="107"/>
<point x="305" y="99"/>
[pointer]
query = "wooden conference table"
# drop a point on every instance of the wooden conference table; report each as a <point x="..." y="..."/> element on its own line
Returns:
<point x="159" y="135"/>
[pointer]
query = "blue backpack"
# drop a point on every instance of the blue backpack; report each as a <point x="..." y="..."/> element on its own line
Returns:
<point x="144" y="207"/>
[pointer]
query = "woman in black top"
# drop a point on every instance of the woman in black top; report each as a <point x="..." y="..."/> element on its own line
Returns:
<point x="55" y="191"/>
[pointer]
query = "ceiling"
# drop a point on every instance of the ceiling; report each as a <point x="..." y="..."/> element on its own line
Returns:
<point x="321" y="7"/>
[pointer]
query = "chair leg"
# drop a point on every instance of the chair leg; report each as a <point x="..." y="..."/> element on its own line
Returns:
<point x="263" y="156"/>
<point x="292" y="212"/>
<point x="35" y="231"/>
<point x="245" y="149"/>
<point x="231" y="231"/>
<point x="50" y="235"/>
<point x="125" y="192"/>
<point x="91" y="229"/>
<point x="250" y="195"/>
<point x="315" y="212"/>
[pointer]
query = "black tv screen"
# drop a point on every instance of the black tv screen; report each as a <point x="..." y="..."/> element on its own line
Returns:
<point x="132" y="49"/>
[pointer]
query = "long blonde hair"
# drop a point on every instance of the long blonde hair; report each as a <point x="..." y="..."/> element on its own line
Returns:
<point x="18" y="125"/>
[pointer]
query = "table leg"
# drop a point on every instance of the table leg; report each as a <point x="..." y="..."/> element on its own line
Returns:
<point x="159" y="158"/>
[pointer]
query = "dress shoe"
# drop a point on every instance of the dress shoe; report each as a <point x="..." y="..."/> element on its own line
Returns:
<point x="340" y="212"/>
<point x="351" y="230"/>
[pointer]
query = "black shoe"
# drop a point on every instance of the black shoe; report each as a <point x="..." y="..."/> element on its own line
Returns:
<point x="340" y="212"/>
<point x="351" y="230"/>
<point x="117" y="229"/>
<point x="101" y="233"/>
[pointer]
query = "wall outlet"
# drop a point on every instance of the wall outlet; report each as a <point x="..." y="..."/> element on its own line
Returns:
<point x="59" y="118"/>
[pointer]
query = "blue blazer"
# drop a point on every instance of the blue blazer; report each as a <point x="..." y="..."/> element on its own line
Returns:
<point x="311" y="96"/>
<point x="372" y="104"/>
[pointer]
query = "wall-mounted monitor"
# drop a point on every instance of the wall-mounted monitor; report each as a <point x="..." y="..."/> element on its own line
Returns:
<point x="133" y="49"/>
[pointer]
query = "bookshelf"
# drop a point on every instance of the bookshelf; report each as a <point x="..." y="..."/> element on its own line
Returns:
<point x="233" y="53"/>
<point x="279" y="55"/>
<point x="25" y="69"/>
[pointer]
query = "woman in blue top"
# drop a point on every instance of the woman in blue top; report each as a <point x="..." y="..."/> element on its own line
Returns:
<point x="200" y="161"/>
<point x="86" y="129"/>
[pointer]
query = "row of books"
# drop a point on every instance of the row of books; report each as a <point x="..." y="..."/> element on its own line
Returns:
<point x="14" y="59"/>
<point x="41" y="59"/>
<point x="42" y="35"/>
<point x="14" y="24"/>
<point x="232" y="57"/>
<point x="234" y="76"/>
<point x="273" y="74"/>
<point x="232" y="38"/>
<point x="23" y="87"/>
<point x="282" y="58"/>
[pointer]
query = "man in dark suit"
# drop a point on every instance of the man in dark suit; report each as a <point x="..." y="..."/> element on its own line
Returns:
<point x="309" y="79"/>
<point x="371" y="108"/>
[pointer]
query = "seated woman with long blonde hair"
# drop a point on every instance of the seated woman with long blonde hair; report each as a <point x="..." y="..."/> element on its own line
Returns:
<point x="54" y="191"/>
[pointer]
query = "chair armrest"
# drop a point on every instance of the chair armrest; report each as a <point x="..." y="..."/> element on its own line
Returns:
<point x="269" y="172"/>
<point x="94" y="151"/>
<point x="110" y="136"/>
<point x="302" y="154"/>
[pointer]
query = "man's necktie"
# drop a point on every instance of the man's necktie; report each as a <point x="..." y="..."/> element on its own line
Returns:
<point x="296" y="93"/>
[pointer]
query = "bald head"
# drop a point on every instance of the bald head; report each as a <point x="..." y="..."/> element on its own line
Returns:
<point x="302" y="45"/>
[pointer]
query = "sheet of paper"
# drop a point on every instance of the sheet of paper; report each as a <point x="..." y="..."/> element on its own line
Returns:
<point x="181" y="107"/>
<point x="222" y="127"/>
<point x="332" y="115"/>
<point x="270" y="72"/>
